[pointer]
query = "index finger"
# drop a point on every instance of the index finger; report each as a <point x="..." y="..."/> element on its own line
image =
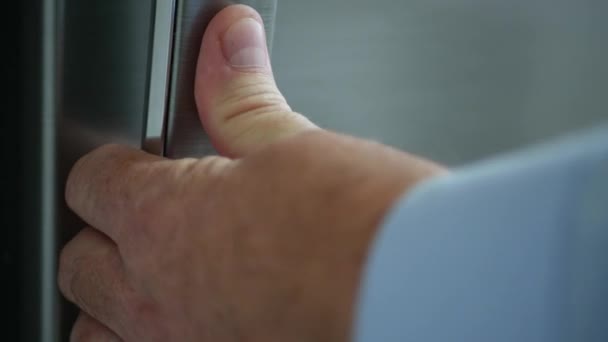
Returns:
<point x="108" y="187"/>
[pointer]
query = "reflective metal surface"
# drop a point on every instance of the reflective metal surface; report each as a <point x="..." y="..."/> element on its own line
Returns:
<point x="93" y="76"/>
<point x="102" y="76"/>
<point x="185" y="136"/>
<point x="454" y="80"/>
<point x="160" y="71"/>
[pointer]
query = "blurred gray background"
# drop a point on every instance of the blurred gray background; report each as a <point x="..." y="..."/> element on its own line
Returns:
<point x="454" y="80"/>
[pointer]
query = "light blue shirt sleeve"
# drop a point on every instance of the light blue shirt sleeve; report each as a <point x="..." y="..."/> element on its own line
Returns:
<point x="512" y="249"/>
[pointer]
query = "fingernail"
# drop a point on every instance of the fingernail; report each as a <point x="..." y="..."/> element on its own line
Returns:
<point x="244" y="44"/>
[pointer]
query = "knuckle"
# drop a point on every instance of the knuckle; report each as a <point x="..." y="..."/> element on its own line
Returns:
<point x="71" y="276"/>
<point x="67" y="267"/>
<point x="157" y="209"/>
<point x="100" y="153"/>
<point x="74" y="182"/>
<point x="87" y="329"/>
<point x="156" y="220"/>
<point x="88" y="289"/>
<point x="188" y="172"/>
<point x="82" y="332"/>
<point x="250" y="96"/>
<point x="213" y="165"/>
<point x="107" y="151"/>
<point x="88" y="167"/>
<point x="64" y="275"/>
<point x="74" y="266"/>
<point x="78" y="276"/>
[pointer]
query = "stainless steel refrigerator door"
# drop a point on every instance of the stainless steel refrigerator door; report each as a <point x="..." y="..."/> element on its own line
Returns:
<point x="90" y="88"/>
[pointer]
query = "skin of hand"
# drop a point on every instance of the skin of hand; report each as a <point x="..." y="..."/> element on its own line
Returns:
<point x="264" y="243"/>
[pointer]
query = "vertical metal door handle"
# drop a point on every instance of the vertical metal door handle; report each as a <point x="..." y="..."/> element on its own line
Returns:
<point x="172" y="125"/>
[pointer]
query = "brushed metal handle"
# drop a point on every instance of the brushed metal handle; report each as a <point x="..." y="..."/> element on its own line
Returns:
<point x="172" y="125"/>
<point x="160" y="57"/>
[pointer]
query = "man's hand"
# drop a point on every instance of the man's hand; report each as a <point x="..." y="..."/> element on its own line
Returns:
<point x="264" y="244"/>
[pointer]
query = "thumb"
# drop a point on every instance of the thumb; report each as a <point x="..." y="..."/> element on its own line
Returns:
<point x="237" y="99"/>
